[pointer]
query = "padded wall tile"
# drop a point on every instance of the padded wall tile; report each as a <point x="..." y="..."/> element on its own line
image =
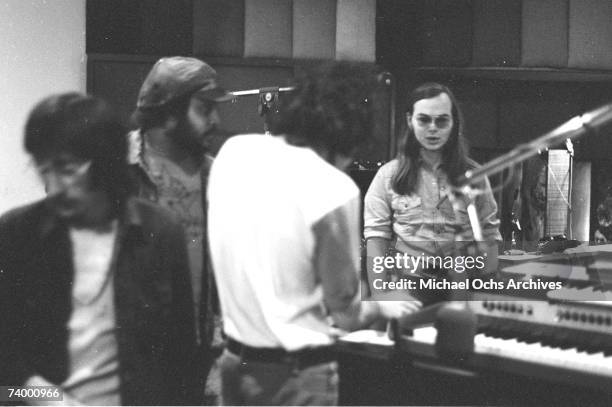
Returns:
<point x="218" y="27"/>
<point x="447" y="33"/>
<point x="544" y="30"/>
<point x="356" y="30"/>
<point x="497" y="32"/>
<point x="268" y="28"/>
<point x="590" y="34"/>
<point x="314" y="29"/>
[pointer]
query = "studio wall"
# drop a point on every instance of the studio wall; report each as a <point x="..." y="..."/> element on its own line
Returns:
<point x="43" y="49"/>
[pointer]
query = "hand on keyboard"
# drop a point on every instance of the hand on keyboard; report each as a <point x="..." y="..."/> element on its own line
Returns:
<point x="394" y="308"/>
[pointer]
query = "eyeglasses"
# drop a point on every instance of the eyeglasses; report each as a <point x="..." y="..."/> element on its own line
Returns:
<point x="441" y="121"/>
<point x="64" y="171"/>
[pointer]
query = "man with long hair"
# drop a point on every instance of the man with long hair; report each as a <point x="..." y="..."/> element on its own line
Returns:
<point x="284" y="237"/>
<point x="95" y="295"/>
<point x="407" y="207"/>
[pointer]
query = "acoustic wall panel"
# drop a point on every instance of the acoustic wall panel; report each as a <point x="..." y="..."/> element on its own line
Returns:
<point x="497" y="32"/>
<point x="356" y="30"/>
<point x="117" y="81"/>
<point x="166" y="28"/>
<point x="218" y="27"/>
<point x="544" y="38"/>
<point x="398" y="34"/>
<point x="314" y="29"/>
<point x="155" y="27"/>
<point x="268" y="28"/>
<point x="479" y="107"/>
<point x="447" y="33"/>
<point x="530" y="109"/>
<point x="590" y="34"/>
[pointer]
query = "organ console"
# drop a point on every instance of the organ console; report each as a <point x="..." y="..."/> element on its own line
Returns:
<point x="549" y="342"/>
<point x="541" y="347"/>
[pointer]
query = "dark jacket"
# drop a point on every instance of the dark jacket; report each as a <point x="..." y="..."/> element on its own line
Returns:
<point x="154" y="315"/>
<point x="145" y="188"/>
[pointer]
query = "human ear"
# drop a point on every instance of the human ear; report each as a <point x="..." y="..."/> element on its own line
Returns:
<point x="409" y="120"/>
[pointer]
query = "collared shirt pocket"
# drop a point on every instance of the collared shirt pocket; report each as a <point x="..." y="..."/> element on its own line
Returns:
<point x="408" y="209"/>
<point x="458" y="220"/>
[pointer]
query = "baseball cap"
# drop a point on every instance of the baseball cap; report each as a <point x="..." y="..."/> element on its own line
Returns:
<point x="173" y="77"/>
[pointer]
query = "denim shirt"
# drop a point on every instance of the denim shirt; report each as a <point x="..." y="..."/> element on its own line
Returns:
<point x="425" y="220"/>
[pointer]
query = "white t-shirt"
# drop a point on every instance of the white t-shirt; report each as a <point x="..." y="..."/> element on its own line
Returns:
<point x="266" y="200"/>
<point x="93" y="376"/>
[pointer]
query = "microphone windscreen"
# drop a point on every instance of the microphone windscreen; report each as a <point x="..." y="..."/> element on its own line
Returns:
<point x="456" y="326"/>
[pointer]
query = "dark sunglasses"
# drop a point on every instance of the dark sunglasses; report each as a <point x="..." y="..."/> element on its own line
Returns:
<point x="441" y="122"/>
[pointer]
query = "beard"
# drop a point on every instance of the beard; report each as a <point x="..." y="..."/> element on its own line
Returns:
<point x="189" y="138"/>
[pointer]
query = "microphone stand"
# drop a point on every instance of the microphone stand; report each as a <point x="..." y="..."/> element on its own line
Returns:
<point x="572" y="129"/>
<point x="249" y="92"/>
<point x="267" y="101"/>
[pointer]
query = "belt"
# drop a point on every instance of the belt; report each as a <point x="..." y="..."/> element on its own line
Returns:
<point x="302" y="358"/>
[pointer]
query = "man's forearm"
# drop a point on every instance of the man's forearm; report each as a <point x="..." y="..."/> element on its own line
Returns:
<point x="375" y="247"/>
<point x="358" y="314"/>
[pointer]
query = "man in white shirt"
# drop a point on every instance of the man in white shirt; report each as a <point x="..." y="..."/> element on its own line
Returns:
<point x="284" y="238"/>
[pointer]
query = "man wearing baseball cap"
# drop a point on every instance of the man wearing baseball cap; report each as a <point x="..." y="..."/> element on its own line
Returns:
<point x="170" y="153"/>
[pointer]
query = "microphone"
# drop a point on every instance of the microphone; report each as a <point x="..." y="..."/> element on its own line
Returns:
<point x="574" y="128"/>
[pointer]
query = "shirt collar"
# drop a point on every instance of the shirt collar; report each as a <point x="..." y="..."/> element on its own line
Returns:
<point x="135" y="147"/>
<point x="428" y="164"/>
<point x="136" y="151"/>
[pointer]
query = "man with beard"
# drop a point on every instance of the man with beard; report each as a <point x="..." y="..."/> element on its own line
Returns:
<point x="176" y="114"/>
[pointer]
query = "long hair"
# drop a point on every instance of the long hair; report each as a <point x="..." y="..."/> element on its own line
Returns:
<point x="88" y="128"/>
<point x="455" y="160"/>
<point x="329" y="108"/>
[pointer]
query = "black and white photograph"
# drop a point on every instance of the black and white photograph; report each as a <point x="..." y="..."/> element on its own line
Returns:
<point x="306" y="202"/>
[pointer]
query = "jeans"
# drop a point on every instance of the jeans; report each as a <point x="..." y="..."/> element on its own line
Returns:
<point x="282" y="383"/>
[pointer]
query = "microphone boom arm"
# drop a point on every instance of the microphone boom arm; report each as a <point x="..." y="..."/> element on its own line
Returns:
<point x="574" y="128"/>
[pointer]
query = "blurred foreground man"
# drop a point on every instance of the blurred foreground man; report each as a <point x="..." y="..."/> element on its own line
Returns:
<point x="284" y="237"/>
<point x="171" y="155"/>
<point x="95" y="295"/>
